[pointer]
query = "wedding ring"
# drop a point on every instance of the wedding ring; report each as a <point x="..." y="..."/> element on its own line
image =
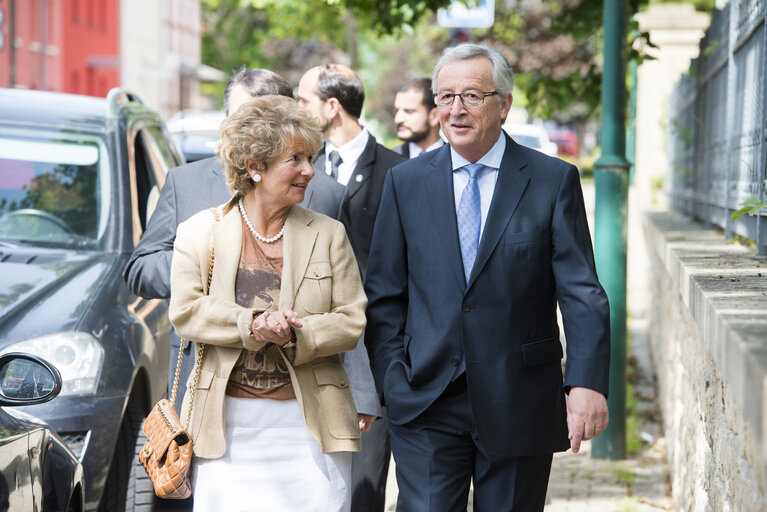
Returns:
<point x="599" y="429"/>
<point x="257" y="329"/>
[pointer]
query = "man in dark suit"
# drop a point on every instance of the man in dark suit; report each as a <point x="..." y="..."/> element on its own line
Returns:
<point x="334" y="95"/>
<point x="200" y="185"/>
<point x="416" y="118"/>
<point x="474" y="246"/>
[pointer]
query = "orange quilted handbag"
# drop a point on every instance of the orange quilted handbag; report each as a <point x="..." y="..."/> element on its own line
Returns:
<point x="167" y="453"/>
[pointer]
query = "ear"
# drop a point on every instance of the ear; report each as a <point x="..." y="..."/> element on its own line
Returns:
<point x="254" y="167"/>
<point x="434" y="117"/>
<point x="505" y="106"/>
<point x="332" y="108"/>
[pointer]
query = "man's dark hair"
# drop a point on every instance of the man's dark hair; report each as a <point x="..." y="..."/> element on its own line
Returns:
<point x="348" y="90"/>
<point x="257" y="82"/>
<point x="424" y="86"/>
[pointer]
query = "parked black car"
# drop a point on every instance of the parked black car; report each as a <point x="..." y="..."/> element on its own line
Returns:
<point x="37" y="469"/>
<point x="79" y="178"/>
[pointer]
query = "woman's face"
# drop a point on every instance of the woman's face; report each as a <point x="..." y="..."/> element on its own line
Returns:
<point x="285" y="180"/>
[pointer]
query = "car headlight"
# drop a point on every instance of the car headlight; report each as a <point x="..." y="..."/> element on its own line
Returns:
<point x="77" y="355"/>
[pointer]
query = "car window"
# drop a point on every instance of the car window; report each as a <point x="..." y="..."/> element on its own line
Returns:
<point x="54" y="187"/>
<point x="150" y="160"/>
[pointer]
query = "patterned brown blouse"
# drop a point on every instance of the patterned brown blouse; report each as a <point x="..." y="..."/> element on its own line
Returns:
<point x="260" y="373"/>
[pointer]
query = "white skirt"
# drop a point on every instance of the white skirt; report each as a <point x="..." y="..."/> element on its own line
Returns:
<point x="271" y="463"/>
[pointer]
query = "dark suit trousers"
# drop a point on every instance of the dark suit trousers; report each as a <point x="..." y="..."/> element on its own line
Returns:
<point x="438" y="454"/>
<point x="370" y="467"/>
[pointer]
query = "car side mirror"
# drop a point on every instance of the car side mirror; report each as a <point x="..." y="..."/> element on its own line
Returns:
<point x="26" y="380"/>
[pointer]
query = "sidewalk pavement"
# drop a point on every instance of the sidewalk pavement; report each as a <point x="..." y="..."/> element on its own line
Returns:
<point x="640" y="483"/>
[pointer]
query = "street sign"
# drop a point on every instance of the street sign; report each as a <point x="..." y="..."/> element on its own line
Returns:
<point x="467" y="14"/>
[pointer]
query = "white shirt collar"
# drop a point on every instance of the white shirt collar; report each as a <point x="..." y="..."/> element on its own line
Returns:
<point x="415" y="150"/>
<point x="490" y="159"/>
<point x="352" y="150"/>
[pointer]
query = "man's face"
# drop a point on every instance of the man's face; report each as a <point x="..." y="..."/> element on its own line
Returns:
<point x="411" y="118"/>
<point x="237" y="97"/>
<point x="310" y="100"/>
<point x="471" y="131"/>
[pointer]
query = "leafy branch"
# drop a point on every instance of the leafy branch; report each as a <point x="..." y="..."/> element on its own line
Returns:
<point x="750" y="206"/>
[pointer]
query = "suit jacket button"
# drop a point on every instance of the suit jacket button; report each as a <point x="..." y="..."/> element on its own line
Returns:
<point x="466" y="308"/>
<point x="454" y="362"/>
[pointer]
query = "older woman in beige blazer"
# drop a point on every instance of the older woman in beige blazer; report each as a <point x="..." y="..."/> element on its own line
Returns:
<point x="273" y="421"/>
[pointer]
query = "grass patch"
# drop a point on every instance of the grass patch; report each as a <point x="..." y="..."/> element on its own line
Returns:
<point x="628" y="504"/>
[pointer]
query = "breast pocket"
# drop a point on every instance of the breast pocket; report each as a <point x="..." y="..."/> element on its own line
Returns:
<point x="316" y="287"/>
<point x="527" y="246"/>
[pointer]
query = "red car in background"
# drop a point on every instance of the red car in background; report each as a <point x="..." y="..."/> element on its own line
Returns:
<point x="566" y="140"/>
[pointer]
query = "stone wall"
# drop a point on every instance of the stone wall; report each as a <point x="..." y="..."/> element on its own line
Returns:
<point x="708" y="336"/>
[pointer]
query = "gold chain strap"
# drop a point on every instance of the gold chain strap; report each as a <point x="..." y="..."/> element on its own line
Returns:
<point x="200" y="351"/>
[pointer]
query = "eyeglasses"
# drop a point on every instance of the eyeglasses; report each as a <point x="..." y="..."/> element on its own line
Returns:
<point x="469" y="98"/>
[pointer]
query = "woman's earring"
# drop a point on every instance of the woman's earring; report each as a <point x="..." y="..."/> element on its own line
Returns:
<point x="256" y="177"/>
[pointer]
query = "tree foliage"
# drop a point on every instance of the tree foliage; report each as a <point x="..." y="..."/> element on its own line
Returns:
<point x="554" y="46"/>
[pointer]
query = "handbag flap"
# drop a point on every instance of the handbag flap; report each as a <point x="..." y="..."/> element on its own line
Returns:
<point x="163" y="426"/>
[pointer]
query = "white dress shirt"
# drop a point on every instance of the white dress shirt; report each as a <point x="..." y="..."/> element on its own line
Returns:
<point x="350" y="153"/>
<point x="415" y="150"/>
<point x="485" y="181"/>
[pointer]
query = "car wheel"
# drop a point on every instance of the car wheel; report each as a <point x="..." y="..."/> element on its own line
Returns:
<point x="128" y="487"/>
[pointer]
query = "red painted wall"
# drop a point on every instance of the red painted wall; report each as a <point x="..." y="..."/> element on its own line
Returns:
<point x="61" y="45"/>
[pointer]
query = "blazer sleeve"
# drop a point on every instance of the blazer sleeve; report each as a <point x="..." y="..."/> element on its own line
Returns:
<point x="386" y="286"/>
<point x="194" y="314"/>
<point x="582" y="301"/>
<point x="339" y="329"/>
<point x="148" y="271"/>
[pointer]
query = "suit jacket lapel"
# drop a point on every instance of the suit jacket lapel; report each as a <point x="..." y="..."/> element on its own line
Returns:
<point x="363" y="168"/>
<point x="296" y="252"/>
<point x="509" y="188"/>
<point x="442" y="201"/>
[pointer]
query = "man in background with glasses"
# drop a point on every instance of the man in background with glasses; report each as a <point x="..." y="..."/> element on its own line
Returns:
<point x="474" y="245"/>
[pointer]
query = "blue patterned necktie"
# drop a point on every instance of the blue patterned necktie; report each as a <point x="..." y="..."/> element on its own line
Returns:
<point x="335" y="161"/>
<point x="469" y="219"/>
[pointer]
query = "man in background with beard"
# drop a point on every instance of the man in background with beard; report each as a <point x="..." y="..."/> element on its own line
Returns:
<point x="416" y="118"/>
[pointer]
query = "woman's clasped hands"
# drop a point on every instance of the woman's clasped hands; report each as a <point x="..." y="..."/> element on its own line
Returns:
<point x="276" y="326"/>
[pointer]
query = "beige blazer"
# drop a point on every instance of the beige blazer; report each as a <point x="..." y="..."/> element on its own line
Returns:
<point x="320" y="282"/>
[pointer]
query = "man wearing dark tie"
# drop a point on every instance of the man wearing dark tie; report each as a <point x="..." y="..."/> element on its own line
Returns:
<point x="474" y="246"/>
<point x="333" y="93"/>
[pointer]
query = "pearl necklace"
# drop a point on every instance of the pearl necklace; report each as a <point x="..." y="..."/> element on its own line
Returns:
<point x="256" y="233"/>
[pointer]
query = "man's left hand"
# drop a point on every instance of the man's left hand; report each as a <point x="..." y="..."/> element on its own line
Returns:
<point x="587" y="415"/>
<point x="366" y="421"/>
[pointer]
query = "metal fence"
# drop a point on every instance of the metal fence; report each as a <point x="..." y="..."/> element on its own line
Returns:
<point x="717" y="124"/>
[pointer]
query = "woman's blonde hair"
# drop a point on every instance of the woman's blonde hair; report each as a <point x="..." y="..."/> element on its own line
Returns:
<point x="260" y="131"/>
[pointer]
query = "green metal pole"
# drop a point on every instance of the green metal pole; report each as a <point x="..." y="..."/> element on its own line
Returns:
<point x="611" y="180"/>
<point x="631" y="127"/>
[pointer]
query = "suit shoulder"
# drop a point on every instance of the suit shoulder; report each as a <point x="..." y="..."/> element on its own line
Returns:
<point x="544" y="165"/>
<point x="388" y="157"/>
<point x="196" y="168"/>
<point x="402" y="149"/>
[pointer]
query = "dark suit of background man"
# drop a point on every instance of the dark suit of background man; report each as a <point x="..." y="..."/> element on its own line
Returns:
<point x="462" y="326"/>
<point x="334" y="95"/>
<point x="416" y="118"/>
<point x="200" y="185"/>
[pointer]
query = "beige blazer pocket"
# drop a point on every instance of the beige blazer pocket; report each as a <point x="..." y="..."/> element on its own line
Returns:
<point x="336" y="400"/>
<point x="316" y="287"/>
